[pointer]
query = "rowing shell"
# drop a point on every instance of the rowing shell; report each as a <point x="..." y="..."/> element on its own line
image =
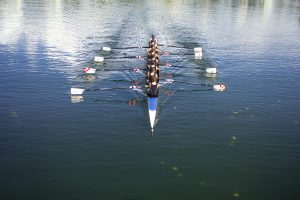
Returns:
<point x="152" y="105"/>
<point x="152" y="99"/>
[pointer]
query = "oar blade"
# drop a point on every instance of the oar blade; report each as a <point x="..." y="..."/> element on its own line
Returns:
<point x="89" y="70"/>
<point x="211" y="70"/>
<point x="198" y="50"/>
<point x="76" y="91"/>
<point x="98" y="59"/>
<point x="198" y="53"/>
<point x="106" y="48"/>
<point x="219" y="87"/>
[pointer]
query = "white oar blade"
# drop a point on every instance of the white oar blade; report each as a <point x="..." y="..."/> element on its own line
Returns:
<point x="106" y="49"/>
<point x="219" y="87"/>
<point x="211" y="70"/>
<point x="198" y="53"/>
<point x="198" y="50"/>
<point x="98" y="59"/>
<point x="76" y="91"/>
<point x="89" y="70"/>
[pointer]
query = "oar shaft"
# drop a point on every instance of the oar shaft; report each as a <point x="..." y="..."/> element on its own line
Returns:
<point x="145" y="47"/>
<point x="120" y="57"/>
<point x="187" y="82"/>
<point x="194" y="90"/>
<point x="101" y="89"/>
<point x="174" y="46"/>
<point x="121" y="48"/>
<point x="124" y="69"/>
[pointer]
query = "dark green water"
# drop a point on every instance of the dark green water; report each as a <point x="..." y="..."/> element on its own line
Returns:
<point x="243" y="143"/>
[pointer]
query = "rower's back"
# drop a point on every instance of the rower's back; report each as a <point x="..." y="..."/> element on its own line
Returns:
<point x="153" y="71"/>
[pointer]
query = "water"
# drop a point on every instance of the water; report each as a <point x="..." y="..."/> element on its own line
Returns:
<point x="239" y="144"/>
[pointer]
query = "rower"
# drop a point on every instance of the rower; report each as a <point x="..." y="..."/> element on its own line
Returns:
<point x="154" y="68"/>
<point x="151" y="44"/>
<point x="153" y="39"/>
<point x="153" y="74"/>
<point x="155" y="60"/>
<point x="154" y="50"/>
<point x="153" y="88"/>
<point x="149" y="61"/>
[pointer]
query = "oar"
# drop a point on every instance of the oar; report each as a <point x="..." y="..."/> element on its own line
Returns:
<point x="194" y="90"/>
<point x="99" y="59"/>
<point x="105" y="48"/>
<point x="196" y="49"/>
<point x="121" y="48"/>
<point x="79" y="91"/>
<point x="89" y="70"/>
<point x="216" y="87"/>
<point x="122" y="57"/>
<point x="174" y="46"/>
<point x="125" y="69"/>
<point x="209" y="70"/>
<point x="197" y="52"/>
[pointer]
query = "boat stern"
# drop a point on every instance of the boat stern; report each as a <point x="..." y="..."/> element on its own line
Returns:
<point x="152" y="106"/>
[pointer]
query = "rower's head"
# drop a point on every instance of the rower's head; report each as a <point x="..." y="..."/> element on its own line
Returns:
<point x="153" y="38"/>
<point x="154" y="46"/>
<point x="151" y="43"/>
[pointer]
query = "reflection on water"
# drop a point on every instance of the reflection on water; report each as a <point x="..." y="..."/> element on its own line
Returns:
<point x="76" y="98"/>
<point x="242" y="143"/>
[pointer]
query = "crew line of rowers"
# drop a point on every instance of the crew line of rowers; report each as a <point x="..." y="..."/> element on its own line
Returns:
<point x="152" y="75"/>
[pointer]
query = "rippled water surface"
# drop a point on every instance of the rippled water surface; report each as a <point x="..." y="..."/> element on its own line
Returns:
<point x="242" y="143"/>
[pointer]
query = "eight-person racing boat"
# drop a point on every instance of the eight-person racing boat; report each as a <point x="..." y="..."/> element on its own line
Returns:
<point x="152" y="77"/>
<point x="153" y="81"/>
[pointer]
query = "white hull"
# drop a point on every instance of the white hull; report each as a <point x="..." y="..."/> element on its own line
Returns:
<point x="152" y="105"/>
<point x="152" y="116"/>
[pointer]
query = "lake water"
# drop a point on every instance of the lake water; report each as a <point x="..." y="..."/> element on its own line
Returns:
<point x="243" y="143"/>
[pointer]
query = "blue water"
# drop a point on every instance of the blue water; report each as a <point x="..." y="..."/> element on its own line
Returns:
<point x="242" y="143"/>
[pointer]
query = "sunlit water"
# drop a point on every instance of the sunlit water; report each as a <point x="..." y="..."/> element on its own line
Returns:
<point x="239" y="144"/>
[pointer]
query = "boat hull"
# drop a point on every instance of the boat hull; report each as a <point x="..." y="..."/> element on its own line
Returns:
<point x="152" y="107"/>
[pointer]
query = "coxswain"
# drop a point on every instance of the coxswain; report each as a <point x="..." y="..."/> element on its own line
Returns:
<point x="153" y="87"/>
